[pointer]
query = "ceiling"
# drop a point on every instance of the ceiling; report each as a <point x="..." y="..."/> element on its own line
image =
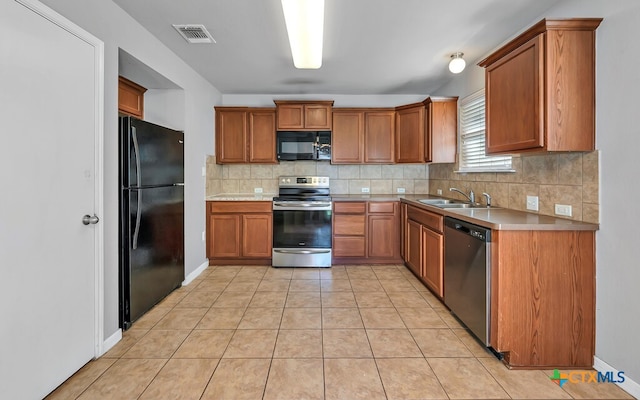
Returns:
<point x="370" y="46"/>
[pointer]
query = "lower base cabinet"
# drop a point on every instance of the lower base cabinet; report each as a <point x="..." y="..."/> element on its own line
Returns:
<point x="239" y="232"/>
<point x="424" y="251"/>
<point x="366" y="232"/>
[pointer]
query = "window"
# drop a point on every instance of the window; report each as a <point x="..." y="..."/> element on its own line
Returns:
<point x="472" y="138"/>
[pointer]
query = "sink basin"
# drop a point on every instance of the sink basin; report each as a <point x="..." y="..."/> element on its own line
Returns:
<point x="462" y="205"/>
<point x="436" y="202"/>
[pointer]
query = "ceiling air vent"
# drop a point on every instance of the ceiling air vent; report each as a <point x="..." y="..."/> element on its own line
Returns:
<point x="194" y="33"/>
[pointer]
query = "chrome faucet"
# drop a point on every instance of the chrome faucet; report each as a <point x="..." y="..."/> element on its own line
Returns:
<point x="471" y="196"/>
<point x="488" y="197"/>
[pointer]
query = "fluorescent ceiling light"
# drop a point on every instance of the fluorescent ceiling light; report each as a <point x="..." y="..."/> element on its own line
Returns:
<point x="305" y="22"/>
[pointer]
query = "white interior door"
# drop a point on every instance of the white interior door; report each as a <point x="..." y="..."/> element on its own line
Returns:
<point x="49" y="106"/>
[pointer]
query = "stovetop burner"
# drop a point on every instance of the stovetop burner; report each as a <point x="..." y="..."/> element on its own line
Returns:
<point x="303" y="188"/>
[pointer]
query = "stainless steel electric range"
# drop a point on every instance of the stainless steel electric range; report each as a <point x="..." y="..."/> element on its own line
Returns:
<point x="302" y="222"/>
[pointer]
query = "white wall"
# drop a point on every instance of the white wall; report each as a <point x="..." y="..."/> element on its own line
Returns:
<point x="165" y="107"/>
<point x="618" y="140"/>
<point x="117" y="29"/>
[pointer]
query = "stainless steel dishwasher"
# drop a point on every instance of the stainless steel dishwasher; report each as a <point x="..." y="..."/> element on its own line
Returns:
<point x="467" y="274"/>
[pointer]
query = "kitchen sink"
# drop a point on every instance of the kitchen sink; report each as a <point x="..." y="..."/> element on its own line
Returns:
<point x="437" y="202"/>
<point x="462" y="205"/>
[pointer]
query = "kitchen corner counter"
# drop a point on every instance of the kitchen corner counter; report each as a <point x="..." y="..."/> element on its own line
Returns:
<point x="241" y="197"/>
<point x="504" y="219"/>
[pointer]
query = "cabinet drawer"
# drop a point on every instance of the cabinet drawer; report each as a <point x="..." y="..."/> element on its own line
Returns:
<point x="349" y="246"/>
<point x="429" y="219"/>
<point x="382" y="207"/>
<point x="240" y="207"/>
<point x="349" y="207"/>
<point x="349" y="225"/>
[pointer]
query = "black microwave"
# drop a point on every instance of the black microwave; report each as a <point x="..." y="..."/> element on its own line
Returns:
<point x="303" y="145"/>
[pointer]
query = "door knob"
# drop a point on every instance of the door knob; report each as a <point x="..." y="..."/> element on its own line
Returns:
<point x="88" y="219"/>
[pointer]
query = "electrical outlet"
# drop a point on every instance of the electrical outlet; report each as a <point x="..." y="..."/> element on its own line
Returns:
<point x="532" y="203"/>
<point x="257" y="190"/>
<point x="439" y="191"/>
<point x="364" y="190"/>
<point x="400" y="190"/>
<point x="563" y="209"/>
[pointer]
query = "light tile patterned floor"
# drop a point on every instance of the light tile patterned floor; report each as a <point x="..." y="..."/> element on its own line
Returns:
<point x="349" y="332"/>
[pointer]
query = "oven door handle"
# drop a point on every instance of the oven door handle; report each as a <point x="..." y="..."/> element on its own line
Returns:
<point x="302" y="251"/>
<point x="301" y="204"/>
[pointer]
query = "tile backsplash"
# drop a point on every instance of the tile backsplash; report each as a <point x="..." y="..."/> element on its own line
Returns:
<point x="558" y="178"/>
<point x="345" y="179"/>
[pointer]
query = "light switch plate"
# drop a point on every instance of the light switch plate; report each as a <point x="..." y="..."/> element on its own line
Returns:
<point x="532" y="203"/>
<point x="439" y="191"/>
<point x="365" y="190"/>
<point x="563" y="209"/>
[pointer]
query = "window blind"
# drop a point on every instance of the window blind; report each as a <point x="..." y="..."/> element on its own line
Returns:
<point x="472" y="138"/>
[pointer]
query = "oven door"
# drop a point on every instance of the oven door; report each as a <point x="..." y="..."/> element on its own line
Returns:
<point x="301" y="227"/>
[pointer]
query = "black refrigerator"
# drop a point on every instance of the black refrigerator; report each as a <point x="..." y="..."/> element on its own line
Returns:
<point x="151" y="216"/>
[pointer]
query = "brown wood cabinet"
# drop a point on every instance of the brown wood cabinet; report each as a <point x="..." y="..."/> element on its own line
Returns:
<point x="365" y="232"/>
<point x="441" y="129"/>
<point x="424" y="253"/>
<point x="130" y="98"/>
<point x="427" y="131"/>
<point x="362" y="136"/>
<point x="245" y="135"/>
<point x="543" y="298"/>
<point x="410" y="133"/>
<point x="347" y="137"/>
<point x="303" y="115"/>
<point x="540" y="89"/>
<point x="239" y="232"/>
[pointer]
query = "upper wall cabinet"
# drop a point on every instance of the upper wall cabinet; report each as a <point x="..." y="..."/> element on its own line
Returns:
<point x="362" y="136"/>
<point x="426" y="131"/>
<point x="130" y="98"/>
<point x="540" y="89"/>
<point x="440" y="129"/>
<point x="245" y="135"/>
<point x="303" y="115"/>
<point x="410" y="133"/>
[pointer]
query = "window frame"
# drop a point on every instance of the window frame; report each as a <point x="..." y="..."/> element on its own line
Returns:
<point x="504" y="162"/>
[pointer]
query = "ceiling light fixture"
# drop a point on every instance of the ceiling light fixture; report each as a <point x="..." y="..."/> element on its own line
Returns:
<point x="457" y="63"/>
<point x="305" y="22"/>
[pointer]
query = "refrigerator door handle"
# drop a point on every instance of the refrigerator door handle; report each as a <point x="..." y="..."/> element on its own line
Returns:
<point x="136" y="229"/>
<point x="136" y="152"/>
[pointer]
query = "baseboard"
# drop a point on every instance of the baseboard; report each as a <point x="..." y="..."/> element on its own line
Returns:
<point x="193" y="275"/>
<point x="111" y="341"/>
<point x="629" y="386"/>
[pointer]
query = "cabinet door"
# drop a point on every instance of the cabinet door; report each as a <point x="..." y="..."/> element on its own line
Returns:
<point x="410" y="135"/>
<point x="224" y="236"/>
<point x="262" y="136"/>
<point x="231" y="136"/>
<point x="130" y="98"/>
<point x="317" y="116"/>
<point x="515" y="100"/>
<point x="432" y="243"/>
<point x="383" y="236"/>
<point x="414" y="247"/>
<point x="347" y="137"/>
<point x="378" y="137"/>
<point x="290" y="116"/>
<point x="441" y="128"/>
<point x="257" y="235"/>
<point x="403" y="231"/>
